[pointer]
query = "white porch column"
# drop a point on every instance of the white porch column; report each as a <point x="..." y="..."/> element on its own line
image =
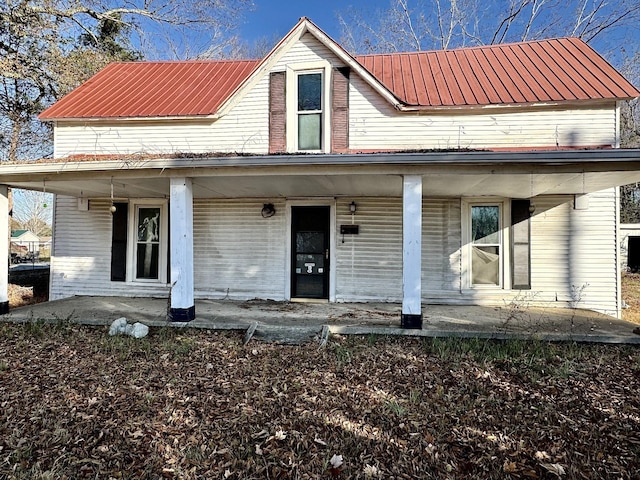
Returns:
<point x="411" y="251"/>
<point x="4" y="248"/>
<point x="181" y="219"/>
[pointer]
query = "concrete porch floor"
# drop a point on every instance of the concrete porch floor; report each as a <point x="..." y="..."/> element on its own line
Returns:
<point x="344" y="318"/>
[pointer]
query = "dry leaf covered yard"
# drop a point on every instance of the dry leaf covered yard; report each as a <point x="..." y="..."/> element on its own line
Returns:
<point x="76" y="403"/>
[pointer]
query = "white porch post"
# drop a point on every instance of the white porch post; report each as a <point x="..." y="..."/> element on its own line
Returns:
<point x="4" y="248"/>
<point x="181" y="218"/>
<point x="411" y="251"/>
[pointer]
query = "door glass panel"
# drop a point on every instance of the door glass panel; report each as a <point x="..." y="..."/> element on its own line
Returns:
<point x="312" y="242"/>
<point x="148" y="242"/>
<point x="309" y="264"/>
<point x="311" y="286"/>
<point x="485" y="265"/>
<point x="486" y="245"/>
<point x="485" y="224"/>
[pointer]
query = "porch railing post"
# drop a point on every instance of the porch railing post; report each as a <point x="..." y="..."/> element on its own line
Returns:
<point x="182" y="308"/>
<point x="411" y="252"/>
<point x="4" y="248"/>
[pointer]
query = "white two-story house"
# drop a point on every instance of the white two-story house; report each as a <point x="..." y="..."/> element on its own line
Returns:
<point x="472" y="176"/>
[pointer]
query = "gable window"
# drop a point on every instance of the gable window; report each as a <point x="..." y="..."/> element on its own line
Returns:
<point x="310" y="105"/>
<point x="307" y="94"/>
<point x="486" y="244"/>
<point x="309" y="108"/>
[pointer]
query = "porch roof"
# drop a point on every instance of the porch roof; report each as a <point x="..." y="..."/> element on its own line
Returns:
<point x="513" y="174"/>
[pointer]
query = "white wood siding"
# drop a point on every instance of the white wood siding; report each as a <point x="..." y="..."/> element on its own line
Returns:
<point x="126" y="137"/>
<point x="369" y="265"/>
<point x="307" y="50"/>
<point x="374" y="124"/>
<point x="573" y="252"/>
<point x="244" y="130"/>
<point x="441" y="234"/>
<point x="238" y="254"/>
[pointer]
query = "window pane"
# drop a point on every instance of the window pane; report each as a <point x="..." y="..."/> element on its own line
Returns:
<point x="310" y="242"/>
<point x="307" y="264"/>
<point x="521" y="266"/>
<point x="309" y="131"/>
<point x="147" y="264"/>
<point x="310" y="92"/>
<point x="485" y="265"/>
<point x="149" y="224"/>
<point x="485" y="224"/>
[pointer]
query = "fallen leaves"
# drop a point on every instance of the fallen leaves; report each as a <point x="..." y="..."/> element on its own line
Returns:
<point x="189" y="404"/>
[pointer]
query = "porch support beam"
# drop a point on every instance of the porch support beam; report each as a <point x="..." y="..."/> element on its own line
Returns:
<point x="411" y="251"/>
<point x="4" y="248"/>
<point x="182" y="308"/>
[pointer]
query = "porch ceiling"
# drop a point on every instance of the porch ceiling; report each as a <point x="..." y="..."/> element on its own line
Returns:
<point x="436" y="184"/>
<point x="511" y="175"/>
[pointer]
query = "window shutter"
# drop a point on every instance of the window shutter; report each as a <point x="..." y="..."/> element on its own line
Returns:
<point x="340" y="110"/>
<point x="277" y="113"/>
<point x="119" y="225"/>
<point x="520" y="245"/>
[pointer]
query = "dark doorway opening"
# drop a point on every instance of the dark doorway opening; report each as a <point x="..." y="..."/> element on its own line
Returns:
<point x="633" y="254"/>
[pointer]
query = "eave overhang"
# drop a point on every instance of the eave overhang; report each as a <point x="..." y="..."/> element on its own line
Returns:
<point x="520" y="174"/>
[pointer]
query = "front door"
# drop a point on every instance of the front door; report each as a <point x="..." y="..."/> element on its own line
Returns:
<point x="310" y="252"/>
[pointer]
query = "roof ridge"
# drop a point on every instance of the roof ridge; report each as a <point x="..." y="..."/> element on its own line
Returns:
<point x="473" y="47"/>
<point x="189" y="61"/>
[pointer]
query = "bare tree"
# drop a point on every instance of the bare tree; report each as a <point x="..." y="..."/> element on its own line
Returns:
<point x="33" y="210"/>
<point x="630" y="111"/>
<point x="442" y="24"/>
<point x="407" y="26"/>
<point x="48" y="47"/>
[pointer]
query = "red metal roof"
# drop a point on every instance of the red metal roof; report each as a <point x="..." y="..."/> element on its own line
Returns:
<point x="556" y="70"/>
<point x="153" y="89"/>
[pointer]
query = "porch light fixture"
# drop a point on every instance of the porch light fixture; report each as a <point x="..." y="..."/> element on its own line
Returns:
<point x="112" y="208"/>
<point x="268" y="210"/>
<point x="532" y="206"/>
<point x="353" y="207"/>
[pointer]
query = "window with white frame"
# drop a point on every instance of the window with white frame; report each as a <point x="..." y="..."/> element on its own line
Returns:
<point x="310" y="110"/>
<point x="148" y="248"/>
<point x="486" y="244"/>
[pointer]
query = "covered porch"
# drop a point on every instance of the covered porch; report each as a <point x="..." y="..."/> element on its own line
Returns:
<point x="300" y="179"/>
